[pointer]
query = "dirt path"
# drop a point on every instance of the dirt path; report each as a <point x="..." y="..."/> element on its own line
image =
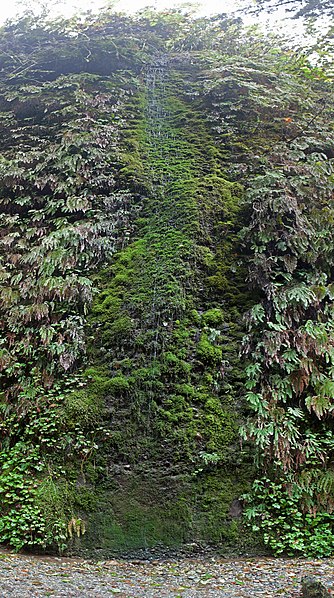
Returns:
<point x="29" y="576"/>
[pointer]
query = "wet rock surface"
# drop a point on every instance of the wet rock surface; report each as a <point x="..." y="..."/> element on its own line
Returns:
<point x="28" y="576"/>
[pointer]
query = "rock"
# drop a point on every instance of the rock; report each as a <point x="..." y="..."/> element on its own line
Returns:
<point x="312" y="588"/>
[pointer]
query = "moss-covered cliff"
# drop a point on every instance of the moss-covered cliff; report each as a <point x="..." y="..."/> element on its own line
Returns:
<point x="165" y="332"/>
<point x="127" y="147"/>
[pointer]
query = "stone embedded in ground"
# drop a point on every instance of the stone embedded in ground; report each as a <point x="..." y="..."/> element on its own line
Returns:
<point x="312" y="588"/>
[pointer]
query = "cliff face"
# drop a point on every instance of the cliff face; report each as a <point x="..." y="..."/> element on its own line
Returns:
<point x="165" y="329"/>
<point x="126" y="241"/>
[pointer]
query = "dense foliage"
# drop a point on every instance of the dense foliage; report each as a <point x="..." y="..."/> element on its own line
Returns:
<point x="288" y="245"/>
<point x="153" y="169"/>
<point x="60" y="208"/>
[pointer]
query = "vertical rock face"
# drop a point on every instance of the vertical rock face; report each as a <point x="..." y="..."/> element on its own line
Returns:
<point x="121" y="300"/>
<point x="171" y="372"/>
<point x="123" y="284"/>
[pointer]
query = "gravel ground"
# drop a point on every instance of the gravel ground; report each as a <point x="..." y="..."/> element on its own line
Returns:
<point x="28" y="576"/>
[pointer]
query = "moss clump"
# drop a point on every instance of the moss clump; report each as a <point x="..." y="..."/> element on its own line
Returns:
<point x="82" y="408"/>
<point x="207" y="352"/>
<point x="213" y="317"/>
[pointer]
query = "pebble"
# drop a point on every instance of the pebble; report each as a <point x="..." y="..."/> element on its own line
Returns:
<point x="25" y="576"/>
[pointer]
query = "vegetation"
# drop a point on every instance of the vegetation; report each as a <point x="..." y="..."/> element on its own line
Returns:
<point x="166" y="203"/>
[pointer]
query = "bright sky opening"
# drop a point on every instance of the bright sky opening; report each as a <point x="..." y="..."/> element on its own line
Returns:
<point x="70" y="7"/>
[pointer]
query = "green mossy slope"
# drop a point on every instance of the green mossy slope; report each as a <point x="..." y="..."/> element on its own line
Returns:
<point x="165" y="333"/>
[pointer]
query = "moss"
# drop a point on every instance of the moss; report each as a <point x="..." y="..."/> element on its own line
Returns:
<point x="207" y="352"/>
<point x="213" y="317"/>
<point x="143" y="512"/>
<point x="162" y="338"/>
<point x="82" y="408"/>
<point x="215" y="494"/>
<point x="195" y="316"/>
<point x="118" y="384"/>
<point x="128" y="524"/>
<point x="186" y="390"/>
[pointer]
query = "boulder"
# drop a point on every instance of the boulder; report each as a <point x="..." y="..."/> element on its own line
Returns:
<point x="312" y="588"/>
